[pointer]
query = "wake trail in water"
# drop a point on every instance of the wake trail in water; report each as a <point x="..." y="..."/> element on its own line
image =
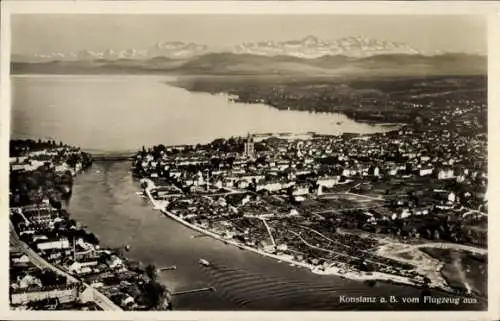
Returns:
<point x="254" y="290"/>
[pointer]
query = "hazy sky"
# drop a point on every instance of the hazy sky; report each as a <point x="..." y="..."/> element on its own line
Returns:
<point x="48" y="33"/>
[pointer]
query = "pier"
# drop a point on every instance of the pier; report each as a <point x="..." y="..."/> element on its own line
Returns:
<point x="167" y="268"/>
<point x="210" y="289"/>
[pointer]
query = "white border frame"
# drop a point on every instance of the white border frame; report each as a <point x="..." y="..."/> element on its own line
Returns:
<point x="489" y="9"/>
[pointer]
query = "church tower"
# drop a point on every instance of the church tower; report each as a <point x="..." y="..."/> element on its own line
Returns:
<point x="249" y="150"/>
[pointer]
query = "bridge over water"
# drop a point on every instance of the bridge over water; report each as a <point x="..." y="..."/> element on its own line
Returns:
<point x="112" y="157"/>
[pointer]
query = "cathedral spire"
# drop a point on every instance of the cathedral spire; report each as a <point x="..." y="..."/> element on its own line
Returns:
<point x="249" y="150"/>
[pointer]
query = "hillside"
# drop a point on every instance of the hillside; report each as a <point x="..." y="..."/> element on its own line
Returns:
<point x="248" y="64"/>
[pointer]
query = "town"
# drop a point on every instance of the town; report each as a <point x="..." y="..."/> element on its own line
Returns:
<point x="55" y="264"/>
<point x="386" y="206"/>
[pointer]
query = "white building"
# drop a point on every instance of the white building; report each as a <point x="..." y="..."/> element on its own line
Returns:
<point x="446" y="174"/>
<point x="17" y="160"/>
<point x="274" y="186"/>
<point x="452" y="197"/>
<point x="328" y="182"/>
<point x="300" y="190"/>
<point x="114" y="262"/>
<point x="128" y="300"/>
<point x="52" y="245"/>
<point x="82" y="267"/>
<point x="426" y="171"/>
<point x="349" y="172"/>
<point x="22" y="259"/>
<point x="61" y="168"/>
<point x="29" y="281"/>
<point x="282" y="247"/>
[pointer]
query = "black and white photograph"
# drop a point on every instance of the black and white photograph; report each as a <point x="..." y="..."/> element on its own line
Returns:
<point x="247" y="162"/>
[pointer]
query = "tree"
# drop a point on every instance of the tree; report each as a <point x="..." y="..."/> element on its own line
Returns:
<point x="151" y="272"/>
<point x="64" y="214"/>
<point x="91" y="238"/>
<point x="156" y="294"/>
<point x="55" y="203"/>
<point x="49" y="278"/>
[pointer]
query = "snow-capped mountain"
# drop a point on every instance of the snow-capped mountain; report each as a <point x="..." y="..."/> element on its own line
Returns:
<point x="311" y="47"/>
<point x="177" y="50"/>
<point x="173" y="50"/>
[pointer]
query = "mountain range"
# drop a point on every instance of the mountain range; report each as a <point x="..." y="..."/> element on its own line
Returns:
<point x="309" y="55"/>
<point x="173" y="49"/>
<point x="311" y="47"/>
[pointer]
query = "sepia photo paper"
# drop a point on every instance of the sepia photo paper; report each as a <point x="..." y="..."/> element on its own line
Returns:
<point x="249" y="160"/>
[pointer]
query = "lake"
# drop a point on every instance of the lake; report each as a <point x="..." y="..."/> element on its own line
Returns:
<point x="123" y="113"/>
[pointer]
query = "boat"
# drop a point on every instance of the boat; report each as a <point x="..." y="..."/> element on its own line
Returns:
<point x="204" y="262"/>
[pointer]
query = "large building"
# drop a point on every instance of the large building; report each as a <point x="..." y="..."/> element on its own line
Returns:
<point x="249" y="150"/>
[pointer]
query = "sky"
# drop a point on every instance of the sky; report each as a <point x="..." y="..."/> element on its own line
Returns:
<point x="37" y="33"/>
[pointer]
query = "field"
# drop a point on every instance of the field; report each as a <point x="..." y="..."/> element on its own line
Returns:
<point x="336" y="203"/>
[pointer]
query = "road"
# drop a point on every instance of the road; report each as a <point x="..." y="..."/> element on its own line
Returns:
<point x="324" y="236"/>
<point x="100" y="299"/>
<point x="348" y="209"/>
<point x="379" y="198"/>
<point x="268" y="230"/>
<point x="472" y="211"/>
<point x="453" y="246"/>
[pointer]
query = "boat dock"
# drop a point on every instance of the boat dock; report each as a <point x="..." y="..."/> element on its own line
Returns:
<point x="210" y="289"/>
<point x="167" y="268"/>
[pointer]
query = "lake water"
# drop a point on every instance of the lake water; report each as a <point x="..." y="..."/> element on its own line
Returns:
<point x="123" y="113"/>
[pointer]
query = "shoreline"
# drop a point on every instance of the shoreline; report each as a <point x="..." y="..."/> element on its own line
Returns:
<point x="356" y="276"/>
